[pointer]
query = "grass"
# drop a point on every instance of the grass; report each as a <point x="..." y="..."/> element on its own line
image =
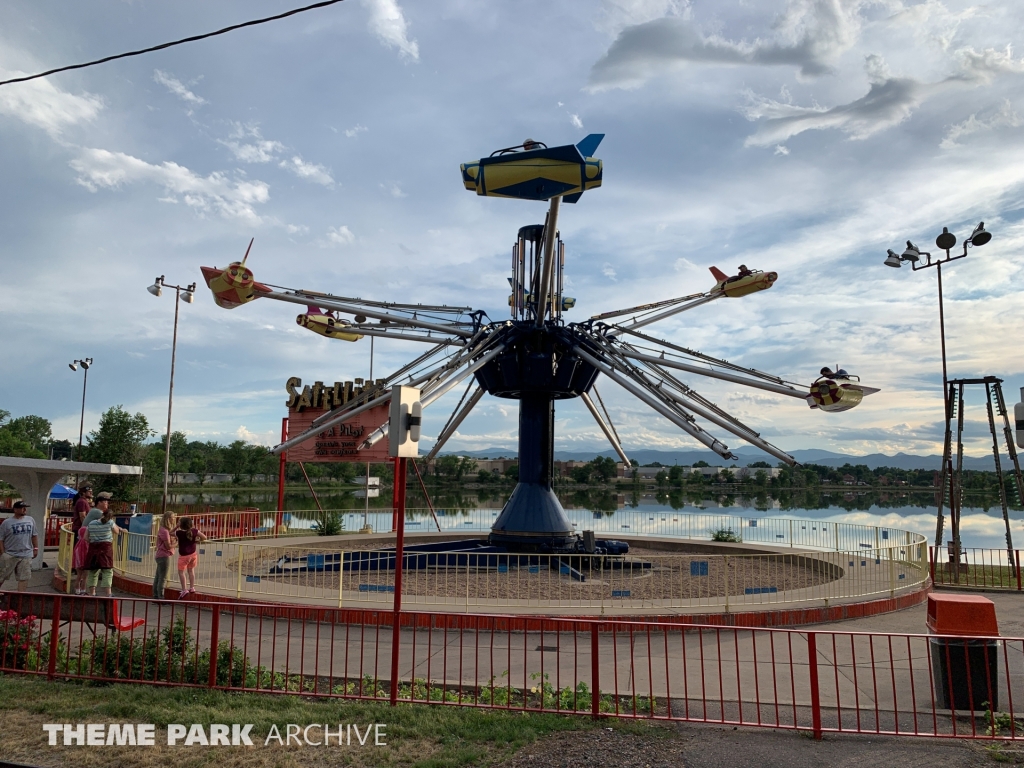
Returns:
<point x="418" y="736"/>
<point x="996" y="576"/>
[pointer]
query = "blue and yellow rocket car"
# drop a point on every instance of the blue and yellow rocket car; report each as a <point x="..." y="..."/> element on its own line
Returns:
<point x="534" y="171"/>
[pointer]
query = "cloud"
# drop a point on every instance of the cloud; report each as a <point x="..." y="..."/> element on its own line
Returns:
<point x="889" y="101"/>
<point x="608" y="271"/>
<point x="781" y="150"/>
<point x="102" y="169"/>
<point x="41" y="104"/>
<point x="175" y="86"/>
<point x="617" y="14"/>
<point x="1004" y="117"/>
<point x="308" y="171"/>
<point x="576" y="122"/>
<point x="258" y="150"/>
<point x="886" y="104"/>
<point x="809" y="35"/>
<point x="388" y="23"/>
<point x="355" y="131"/>
<point x="340" y="236"/>
<point x="392" y="189"/>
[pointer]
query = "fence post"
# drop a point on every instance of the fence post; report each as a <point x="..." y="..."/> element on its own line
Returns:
<point x="931" y="562"/>
<point x="214" y="641"/>
<point x="725" y="570"/>
<point x="1016" y="556"/>
<point x="238" y="589"/>
<point x="51" y="664"/>
<point x="595" y="672"/>
<point x="812" y="668"/>
<point x="790" y="533"/>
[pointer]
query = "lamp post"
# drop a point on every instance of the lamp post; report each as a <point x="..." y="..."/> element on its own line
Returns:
<point x="946" y="242"/>
<point x="190" y="293"/>
<point x="86" y="363"/>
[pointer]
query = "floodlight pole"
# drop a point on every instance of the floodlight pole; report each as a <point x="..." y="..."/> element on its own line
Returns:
<point x="190" y="291"/>
<point x="81" y="422"/>
<point x="946" y="241"/>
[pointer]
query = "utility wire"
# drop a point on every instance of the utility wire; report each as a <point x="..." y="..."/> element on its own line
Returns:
<point x="192" y="39"/>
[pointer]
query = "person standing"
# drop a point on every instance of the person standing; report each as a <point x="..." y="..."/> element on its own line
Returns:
<point x="83" y="504"/>
<point x="164" y="552"/>
<point x="18" y="545"/>
<point x="188" y="558"/>
<point x="100" y="559"/>
<point x="102" y="505"/>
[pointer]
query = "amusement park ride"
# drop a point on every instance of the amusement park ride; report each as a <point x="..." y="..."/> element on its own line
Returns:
<point x="536" y="357"/>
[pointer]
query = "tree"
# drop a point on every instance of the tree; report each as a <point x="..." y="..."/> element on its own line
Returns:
<point x="698" y="464"/>
<point x="13" y="443"/>
<point x="759" y="464"/>
<point x="34" y="429"/>
<point x="119" y="440"/>
<point x="675" y="475"/>
<point x="604" y="467"/>
<point x="512" y="473"/>
<point x="235" y="459"/>
<point x="582" y="474"/>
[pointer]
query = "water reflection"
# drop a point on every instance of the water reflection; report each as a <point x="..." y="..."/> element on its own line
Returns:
<point x="981" y="521"/>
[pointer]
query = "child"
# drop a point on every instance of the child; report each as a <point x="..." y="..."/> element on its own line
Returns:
<point x="188" y="558"/>
<point x="163" y="553"/>
<point x="99" y="560"/>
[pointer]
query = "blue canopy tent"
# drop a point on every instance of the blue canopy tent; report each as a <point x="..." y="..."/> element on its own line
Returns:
<point x="61" y="492"/>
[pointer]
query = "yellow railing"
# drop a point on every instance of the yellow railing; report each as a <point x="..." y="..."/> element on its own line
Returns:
<point x="321" y="575"/>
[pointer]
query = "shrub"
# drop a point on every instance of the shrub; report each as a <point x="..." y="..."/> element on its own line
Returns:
<point x="726" y="534"/>
<point x="329" y="524"/>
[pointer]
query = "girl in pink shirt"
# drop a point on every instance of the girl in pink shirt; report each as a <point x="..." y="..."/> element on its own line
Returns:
<point x="164" y="552"/>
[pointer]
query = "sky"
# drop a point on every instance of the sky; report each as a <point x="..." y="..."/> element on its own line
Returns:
<point x="800" y="136"/>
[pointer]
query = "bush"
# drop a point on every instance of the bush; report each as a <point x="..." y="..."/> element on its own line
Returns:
<point x="329" y="524"/>
<point x="726" y="534"/>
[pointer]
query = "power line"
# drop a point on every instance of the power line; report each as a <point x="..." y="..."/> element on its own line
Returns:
<point x="160" y="47"/>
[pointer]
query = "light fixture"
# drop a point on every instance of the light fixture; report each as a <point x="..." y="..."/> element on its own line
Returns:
<point x="155" y="288"/>
<point x="72" y="366"/>
<point x="912" y="254"/>
<point x="946" y="240"/>
<point x="893" y="259"/>
<point x="86" y="363"/>
<point x="189" y="296"/>
<point x="980" y="235"/>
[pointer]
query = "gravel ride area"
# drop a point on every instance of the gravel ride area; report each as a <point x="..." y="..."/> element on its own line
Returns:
<point x="644" y="574"/>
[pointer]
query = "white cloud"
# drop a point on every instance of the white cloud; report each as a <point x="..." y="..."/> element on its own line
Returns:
<point x="41" y="104"/>
<point x="392" y="189"/>
<point x="100" y="168"/>
<point x="576" y="122"/>
<point x="810" y="35"/>
<point x="340" y="236"/>
<point x="355" y="131"/>
<point x="308" y="171"/>
<point x="1004" y="117"/>
<point x="388" y="23"/>
<point x="608" y="271"/>
<point x="617" y="14"/>
<point x="889" y="101"/>
<point x="248" y="145"/>
<point x="781" y="150"/>
<point x="175" y="86"/>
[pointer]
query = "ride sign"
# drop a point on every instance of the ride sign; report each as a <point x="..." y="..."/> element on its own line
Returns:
<point x="340" y="442"/>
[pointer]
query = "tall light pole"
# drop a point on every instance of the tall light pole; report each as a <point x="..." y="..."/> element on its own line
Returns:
<point x="86" y="363"/>
<point x="946" y="242"/>
<point x="190" y="293"/>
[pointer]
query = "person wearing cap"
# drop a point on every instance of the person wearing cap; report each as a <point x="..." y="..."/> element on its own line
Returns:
<point x="102" y="505"/>
<point x="18" y="545"/>
<point x="99" y="559"/>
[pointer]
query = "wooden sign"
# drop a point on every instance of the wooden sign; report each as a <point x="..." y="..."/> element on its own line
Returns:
<point x="340" y="442"/>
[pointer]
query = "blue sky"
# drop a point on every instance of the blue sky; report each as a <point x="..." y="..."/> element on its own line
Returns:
<point x="801" y="136"/>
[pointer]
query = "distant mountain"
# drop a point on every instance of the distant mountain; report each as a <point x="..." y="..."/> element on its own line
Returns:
<point x="746" y="456"/>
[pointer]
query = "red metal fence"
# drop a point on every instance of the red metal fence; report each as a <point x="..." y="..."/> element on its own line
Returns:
<point x="978" y="568"/>
<point x="815" y="681"/>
